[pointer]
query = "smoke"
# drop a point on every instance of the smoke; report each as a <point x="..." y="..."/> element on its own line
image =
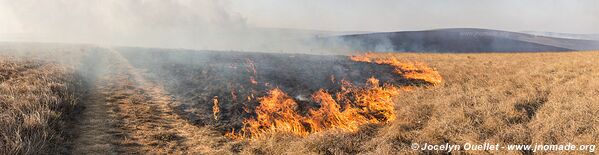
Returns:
<point x="194" y="24"/>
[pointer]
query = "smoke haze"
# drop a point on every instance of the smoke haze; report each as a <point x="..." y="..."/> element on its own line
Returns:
<point x="203" y="24"/>
<point x="250" y="25"/>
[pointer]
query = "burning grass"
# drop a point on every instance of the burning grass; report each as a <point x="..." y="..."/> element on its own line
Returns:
<point x="252" y="95"/>
<point x="347" y="110"/>
<point x="35" y="98"/>
<point x="409" y="70"/>
<point x="523" y="98"/>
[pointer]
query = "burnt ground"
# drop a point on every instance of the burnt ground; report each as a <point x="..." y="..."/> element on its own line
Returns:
<point x="238" y="79"/>
<point x="160" y="101"/>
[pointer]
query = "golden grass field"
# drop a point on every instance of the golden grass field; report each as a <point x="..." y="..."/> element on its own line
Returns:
<point x="35" y="101"/>
<point x="515" y="98"/>
<point x="511" y="98"/>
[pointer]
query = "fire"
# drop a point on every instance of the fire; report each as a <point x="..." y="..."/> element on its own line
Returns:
<point x="278" y="112"/>
<point x="215" y="108"/>
<point x="346" y="109"/>
<point x="252" y="69"/>
<point x="409" y="70"/>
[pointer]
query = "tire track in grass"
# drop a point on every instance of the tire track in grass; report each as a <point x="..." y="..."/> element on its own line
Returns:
<point x="147" y="124"/>
<point x="93" y="127"/>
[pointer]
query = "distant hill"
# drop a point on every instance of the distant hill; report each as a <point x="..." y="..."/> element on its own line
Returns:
<point x="463" y="40"/>
<point x="564" y="35"/>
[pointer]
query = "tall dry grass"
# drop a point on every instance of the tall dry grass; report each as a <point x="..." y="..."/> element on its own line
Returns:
<point x="516" y="98"/>
<point x="35" y="100"/>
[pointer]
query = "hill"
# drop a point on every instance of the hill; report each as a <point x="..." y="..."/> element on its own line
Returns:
<point x="564" y="35"/>
<point x="463" y="40"/>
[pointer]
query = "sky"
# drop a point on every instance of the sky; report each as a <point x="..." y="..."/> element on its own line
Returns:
<point x="568" y="16"/>
<point x="244" y="24"/>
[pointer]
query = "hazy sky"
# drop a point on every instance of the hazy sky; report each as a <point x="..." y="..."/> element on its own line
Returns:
<point x="236" y="24"/>
<point x="575" y="16"/>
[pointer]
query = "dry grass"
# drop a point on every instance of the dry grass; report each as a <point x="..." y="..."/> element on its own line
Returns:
<point x="35" y="99"/>
<point x="144" y="121"/>
<point x="525" y="98"/>
<point x="518" y="98"/>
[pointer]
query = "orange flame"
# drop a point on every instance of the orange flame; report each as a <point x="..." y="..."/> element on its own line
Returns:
<point x="252" y="69"/>
<point x="278" y="112"/>
<point x="409" y="70"/>
<point x="215" y="108"/>
<point x="346" y="110"/>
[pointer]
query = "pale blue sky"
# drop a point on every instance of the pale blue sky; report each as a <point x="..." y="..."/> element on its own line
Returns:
<point x="574" y="16"/>
<point x="231" y="24"/>
<point x="570" y="16"/>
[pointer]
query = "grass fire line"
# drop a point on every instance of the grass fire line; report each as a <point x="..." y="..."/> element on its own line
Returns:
<point x="345" y="110"/>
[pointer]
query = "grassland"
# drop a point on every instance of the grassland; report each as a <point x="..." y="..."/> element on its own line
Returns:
<point x="516" y="98"/>
<point x="510" y="98"/>
<point x="498" y="98"/>
<point x="36" y="99"/>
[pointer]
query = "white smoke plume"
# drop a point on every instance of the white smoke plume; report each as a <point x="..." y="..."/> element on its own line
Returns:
<point x="194" y="24"/>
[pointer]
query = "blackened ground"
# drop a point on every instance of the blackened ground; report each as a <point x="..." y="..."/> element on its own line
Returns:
<point x="238" y="79"/>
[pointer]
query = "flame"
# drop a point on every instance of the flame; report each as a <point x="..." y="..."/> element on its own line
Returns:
<point x="409" y="70"/>
<point x="252" y="69"/>
<point x="253" y="80"/>
<point x="346" y="110"/>
<point x="278" y="112"/>
<point x="215" y="108"/>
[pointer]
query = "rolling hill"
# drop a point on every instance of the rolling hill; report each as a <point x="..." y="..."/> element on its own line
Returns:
<point x="463" y="40"/>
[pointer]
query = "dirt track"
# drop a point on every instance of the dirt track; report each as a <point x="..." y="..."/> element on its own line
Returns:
<point x="126" y="114"/>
